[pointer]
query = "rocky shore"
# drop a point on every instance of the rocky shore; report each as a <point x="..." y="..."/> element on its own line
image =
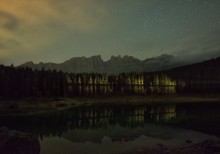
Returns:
<point x="15" y="142"/>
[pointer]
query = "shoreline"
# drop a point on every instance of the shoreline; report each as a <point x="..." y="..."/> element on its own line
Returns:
<point x="24" y="106"/>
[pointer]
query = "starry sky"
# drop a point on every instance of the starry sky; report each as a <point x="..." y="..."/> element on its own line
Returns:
<point x="55" y="30"/>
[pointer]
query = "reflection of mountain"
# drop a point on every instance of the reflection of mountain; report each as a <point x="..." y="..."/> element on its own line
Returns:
<point x="119" y="124"/>
<point x="115" y="133"/>
<point x="158" y="139"/>
<point x="99" y="135"/>
<point x="114" y="65"/>
<point x="101" y="118"/>
<point x="97" y="117"/>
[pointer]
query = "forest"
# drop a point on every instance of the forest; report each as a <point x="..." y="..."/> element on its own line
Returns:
<point x="19" y="82"/>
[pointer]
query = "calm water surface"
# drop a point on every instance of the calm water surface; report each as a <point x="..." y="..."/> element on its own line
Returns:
<point x="120" y="128"/>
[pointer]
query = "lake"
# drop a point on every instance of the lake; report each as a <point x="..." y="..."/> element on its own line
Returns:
<point x="120" y="128"/>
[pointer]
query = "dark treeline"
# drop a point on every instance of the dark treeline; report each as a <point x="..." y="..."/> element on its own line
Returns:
<point x="201" y="77"/>
<point x="20" y="83"/>
<point x="24" y="82"/>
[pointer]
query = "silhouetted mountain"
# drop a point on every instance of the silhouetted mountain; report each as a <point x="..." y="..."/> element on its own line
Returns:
<point x="83" y="64"/>
<point x="115" y="65"/>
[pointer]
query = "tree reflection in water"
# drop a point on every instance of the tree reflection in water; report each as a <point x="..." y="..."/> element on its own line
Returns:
<point x="108" y="116"/>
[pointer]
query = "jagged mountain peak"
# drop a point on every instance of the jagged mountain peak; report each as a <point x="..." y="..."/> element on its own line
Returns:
<point x="125" y="57"/>
<point x="116" y="64"/>
<point x="29" y="62"/>
<point x="95" y="57"/>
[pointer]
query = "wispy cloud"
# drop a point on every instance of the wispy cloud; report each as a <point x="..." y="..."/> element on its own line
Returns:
<point x="8" y="21"/>
<point x="28" y="25"/>
<point x="202" y="48"/>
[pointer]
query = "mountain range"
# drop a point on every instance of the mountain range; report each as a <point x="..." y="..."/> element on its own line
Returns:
<point x="116" y="64"/>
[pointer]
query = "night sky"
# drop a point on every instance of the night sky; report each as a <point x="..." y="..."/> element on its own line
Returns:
<point x="57" y="30"/>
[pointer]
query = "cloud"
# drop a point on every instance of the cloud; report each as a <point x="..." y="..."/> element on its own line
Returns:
<point x="80" y="15"/>
<point x="198" y="49"/>
<point x="8" y="21"/>
<point x="34" y="24"/>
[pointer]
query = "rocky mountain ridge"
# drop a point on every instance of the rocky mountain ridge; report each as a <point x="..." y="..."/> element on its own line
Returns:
<point x="116" y="64"/>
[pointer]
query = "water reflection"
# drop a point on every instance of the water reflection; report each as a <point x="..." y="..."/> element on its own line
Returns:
<point x="105" y="117"/>
<point x="55" y="123"/>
